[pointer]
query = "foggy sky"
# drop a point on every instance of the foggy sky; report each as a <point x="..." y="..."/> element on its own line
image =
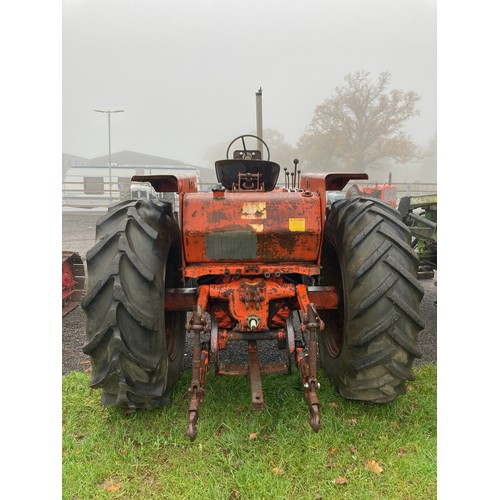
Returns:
<point x="186" y="72"/>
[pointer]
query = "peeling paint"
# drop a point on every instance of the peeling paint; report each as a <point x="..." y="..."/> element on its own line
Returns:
<point x="237" y="228"/>
<point x="253" y="210"/>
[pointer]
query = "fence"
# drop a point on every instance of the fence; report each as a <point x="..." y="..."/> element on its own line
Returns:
<point x="76" y="196"/>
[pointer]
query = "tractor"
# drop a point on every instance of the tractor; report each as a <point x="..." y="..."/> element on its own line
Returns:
<point x="73" y="280"/>
<point x="250" y="262"/>
<point x="384" y="192"/>
<point x="419" y="213"/>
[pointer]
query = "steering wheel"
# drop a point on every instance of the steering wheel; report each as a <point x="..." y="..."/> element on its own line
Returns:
<point x="242" y="137"/>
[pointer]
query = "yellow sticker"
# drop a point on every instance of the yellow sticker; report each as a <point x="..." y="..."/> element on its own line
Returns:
<point x="296" y="224"/>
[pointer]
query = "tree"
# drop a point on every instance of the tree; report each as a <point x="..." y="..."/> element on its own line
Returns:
<point x="360" y="125"/>
<point x="281" y="151"/>
<point x="428" y="167"/>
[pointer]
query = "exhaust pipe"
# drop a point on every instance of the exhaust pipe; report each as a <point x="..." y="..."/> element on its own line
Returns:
<point x="258" y="99"/>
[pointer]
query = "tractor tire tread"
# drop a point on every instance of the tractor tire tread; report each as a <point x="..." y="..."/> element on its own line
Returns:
<point x="124" y="306"/>
<point x="381" y="301"/>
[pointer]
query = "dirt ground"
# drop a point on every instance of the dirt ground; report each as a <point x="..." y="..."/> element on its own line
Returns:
<point x="78" y="235"/>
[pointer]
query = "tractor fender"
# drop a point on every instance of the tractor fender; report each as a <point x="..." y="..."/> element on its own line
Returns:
<point x="170" y="183"/>
<point x="321" y="182"/>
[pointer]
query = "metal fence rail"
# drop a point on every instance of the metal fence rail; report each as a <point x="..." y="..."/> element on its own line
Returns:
<point x="75" y="196"/>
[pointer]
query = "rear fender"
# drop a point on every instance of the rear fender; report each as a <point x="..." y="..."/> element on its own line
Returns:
<point x="170" y="183"/>
<point x="323" y="182"/>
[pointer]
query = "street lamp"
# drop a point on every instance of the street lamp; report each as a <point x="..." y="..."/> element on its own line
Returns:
<point x="109" y="143"/>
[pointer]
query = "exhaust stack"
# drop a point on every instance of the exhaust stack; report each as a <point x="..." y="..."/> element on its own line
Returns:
<point x="258" y="99"/>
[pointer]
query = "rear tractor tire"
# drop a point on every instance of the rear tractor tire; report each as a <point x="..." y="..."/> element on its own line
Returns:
<point x="369" y="343"/>
<point x="136" y="348"/>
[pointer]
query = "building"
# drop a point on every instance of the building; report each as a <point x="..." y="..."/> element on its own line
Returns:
<point x="92" y="182"/>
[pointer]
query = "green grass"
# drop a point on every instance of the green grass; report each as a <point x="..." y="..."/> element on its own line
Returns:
<point x="108" y="454"/>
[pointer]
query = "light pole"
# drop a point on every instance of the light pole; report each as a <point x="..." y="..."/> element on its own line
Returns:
<point x="109" y="143"/>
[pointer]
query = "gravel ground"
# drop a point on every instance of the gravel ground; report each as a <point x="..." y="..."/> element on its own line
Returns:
<point x="78" y="235"/>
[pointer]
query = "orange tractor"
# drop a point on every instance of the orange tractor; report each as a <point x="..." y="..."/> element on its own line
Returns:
<point x="384" y="192"/>
<point x="73" y="280"/>
<point x="250" y="262"/>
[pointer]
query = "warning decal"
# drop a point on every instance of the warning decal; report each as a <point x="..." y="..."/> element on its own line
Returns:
<point x="295" y="224"/>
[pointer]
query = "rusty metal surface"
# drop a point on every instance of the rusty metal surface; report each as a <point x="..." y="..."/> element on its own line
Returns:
<point x="269" y="369"/>
<point x="73" y="281"/>
<point x="254" y="269"/>
<point x="321" y="182"/>
<point x="184" y="299"/>
<point x="248" y="247"/>
<point x="68" y="307"/>
<point x="197" y="323"/>
<point x="180" y="299"/>
<point x="255" y="381"/>
<point x="248" y="336"/>
<point x="269" y="227"/>
<point x="248" y="301"/>
<point x="323" y="297"/>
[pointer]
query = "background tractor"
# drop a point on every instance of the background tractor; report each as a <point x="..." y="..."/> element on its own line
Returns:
<point x="419" y="213"/>
<point x="73" y="280"/>
<point x="251" y="262"/>
<point x="384" y="192"/>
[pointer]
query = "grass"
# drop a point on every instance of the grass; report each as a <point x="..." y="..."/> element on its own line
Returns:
<point x="361" y="452"/>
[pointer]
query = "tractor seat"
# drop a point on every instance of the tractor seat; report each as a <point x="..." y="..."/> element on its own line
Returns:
<point x="228" y="173"/>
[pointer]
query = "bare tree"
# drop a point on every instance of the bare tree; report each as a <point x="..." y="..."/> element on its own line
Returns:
<point x="281" y="151"/>
<point x="360" y="125"/>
